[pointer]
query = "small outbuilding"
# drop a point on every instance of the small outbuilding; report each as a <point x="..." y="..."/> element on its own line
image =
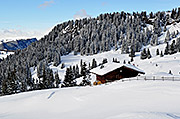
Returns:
<point x="115" y="71"/>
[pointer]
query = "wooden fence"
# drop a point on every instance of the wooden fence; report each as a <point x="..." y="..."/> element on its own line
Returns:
<point x="155" y="78"/>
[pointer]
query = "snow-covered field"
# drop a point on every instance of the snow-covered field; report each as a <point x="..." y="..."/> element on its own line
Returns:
<point x="118" y="100"/>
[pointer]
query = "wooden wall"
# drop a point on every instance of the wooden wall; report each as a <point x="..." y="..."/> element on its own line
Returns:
<point x="117" y="74"/>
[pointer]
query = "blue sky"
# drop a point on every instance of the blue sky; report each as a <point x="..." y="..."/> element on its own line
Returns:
<point x="21" y="18"/>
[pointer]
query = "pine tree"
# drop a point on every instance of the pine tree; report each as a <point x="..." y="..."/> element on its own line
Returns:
<point x="124" y="62"/>
<point x="144" y="54"/>
<point x="166" y="51"/>
<point x="104" y="61"/>
<point x="148" y="54"/>
<point x="172" y="49"/>
<point x="132" y="59"/>
<point x="165" y="28"/>
<point x="40" y="69"/>
<point x="170" y="72"/>
<point x="57" y="59"/>
<point x="116" y="41"/>
<point x="83" y="69"/>
<point x="157" y="52"/>
<point x="77" y="72"/>
<point x="57" y="80"/>
<point x="69" y="81"/>
<point x="132" y="52"/>
<point x="4" y="87"/>
<point x="44" y="83"/>
<point x="167" y="39"/>
<point x="161" y="55"/>
<point x="86" y="80"/>
<point x="94" y="64"/>
<point x="51" y="79"/>
<point x="178" y="44"/>
<point x="10" y="86"/>
<point x="62" y="66"/>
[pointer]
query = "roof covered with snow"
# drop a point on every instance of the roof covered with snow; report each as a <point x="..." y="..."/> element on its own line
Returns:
<point x="109" y="67"/>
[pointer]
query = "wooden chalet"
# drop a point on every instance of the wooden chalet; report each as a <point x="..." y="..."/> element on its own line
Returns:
<point x="115" y="71"/>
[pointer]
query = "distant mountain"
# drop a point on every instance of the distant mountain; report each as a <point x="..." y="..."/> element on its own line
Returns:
<point x="18" y="44"/>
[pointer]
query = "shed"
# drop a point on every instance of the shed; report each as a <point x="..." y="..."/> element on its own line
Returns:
<point x="115" y="71"/>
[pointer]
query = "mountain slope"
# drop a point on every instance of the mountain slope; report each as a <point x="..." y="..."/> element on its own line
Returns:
<point x="119" y="100"/>
<point x="123" y="32"/>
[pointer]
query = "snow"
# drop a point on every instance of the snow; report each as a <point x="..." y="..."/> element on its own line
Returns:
<point x="108" y="67"/>
<point x="118" y="100"/>
<point x="134" y="68"/>
<point x="4" y="54"/>
<point x="156" y="66"/>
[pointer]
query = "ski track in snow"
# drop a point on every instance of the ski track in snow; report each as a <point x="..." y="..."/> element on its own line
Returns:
<point x="173" y="116"/>
<point x="51" y="95"/>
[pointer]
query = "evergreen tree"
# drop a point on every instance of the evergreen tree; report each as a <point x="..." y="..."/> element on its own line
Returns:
<point x="178" y="44"/>
<point x="167" y="39"/>
<point x="172" y="49"/>
<point x="144" y="54"/>
<point x="40" y="69"/>
<point x="148" y="54"/>
<point x="132" y="59"/>
<point x="10" y="86"/>
<point x="132" y="52"/>
<point x="166" y="52"/>
<point x="83" y="69"/>
<point x="86" y="80"/>
<point x="170" y="72"/>
<point x="69" y="81"/>
<point x="165" y="28"/>
<point x="161" y="55"/>
<point x="77" y="72"/>
<point x="62" y="66"/>
<point x="157" y="52"/>
<point x="57" y="80"/>
<point x="104" y="61"/>
<point x="124" y="62"/>
<point x="57" y="59"/>
<point x="94" y="64"/>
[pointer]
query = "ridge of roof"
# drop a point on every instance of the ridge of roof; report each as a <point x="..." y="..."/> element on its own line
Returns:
<point x="109" y="67"/>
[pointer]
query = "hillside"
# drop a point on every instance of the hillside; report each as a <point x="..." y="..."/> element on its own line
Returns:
<point x="119" y="100"/>
<point x="46" y="63"/>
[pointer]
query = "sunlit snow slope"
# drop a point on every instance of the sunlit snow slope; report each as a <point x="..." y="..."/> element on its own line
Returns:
<point x="119" y="100"/>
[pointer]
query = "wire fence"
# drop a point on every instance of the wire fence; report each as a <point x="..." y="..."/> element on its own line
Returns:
<point x="155" y="78"/>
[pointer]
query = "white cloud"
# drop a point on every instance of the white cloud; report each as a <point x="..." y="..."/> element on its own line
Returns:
<point x="104" y="3"/>
<point x="46" y="4"/>
<point x="20" y="34"/>
<point x="81" y="14"/>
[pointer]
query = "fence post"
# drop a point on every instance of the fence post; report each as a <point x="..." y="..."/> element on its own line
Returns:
<point x="163" y="78"/>
<point x="154" y="78"/>
<point x="145" y="78"/>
